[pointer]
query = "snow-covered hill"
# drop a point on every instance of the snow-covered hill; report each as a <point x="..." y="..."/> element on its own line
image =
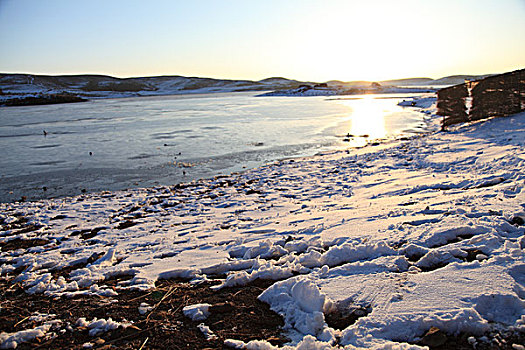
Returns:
<point x="20" y="86"/>
<point x="101" y="86"/>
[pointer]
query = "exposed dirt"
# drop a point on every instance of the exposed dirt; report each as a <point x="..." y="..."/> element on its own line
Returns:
<point x="438" y="340"/>
<point x="342" y="317"/>
<point x="236" y="313"/>
<point x="19" y="243"/>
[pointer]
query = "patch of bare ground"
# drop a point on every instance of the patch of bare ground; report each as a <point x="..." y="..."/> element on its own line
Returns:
<point x="436" y="339"/>
<point x="345" y="316"/>
<point x="19" y="243"/>
<point x="236" y="313"/>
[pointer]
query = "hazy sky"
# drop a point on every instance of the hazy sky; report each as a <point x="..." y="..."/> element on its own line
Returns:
<point x="300" y="39"/>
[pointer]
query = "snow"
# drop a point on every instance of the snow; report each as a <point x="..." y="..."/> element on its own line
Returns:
<point x="207" y="332"/>
<point x="22" y="85"/>
<point x="307" y="343"/>
<point x="421" y="232"/>
<point x="144" y="308"/>
<point x="11" y="340"/>
<point x="342" y="90"/>
<point x="99" y="325"/>
<point x="197" y="312"/>
<point x="300" y="302"/>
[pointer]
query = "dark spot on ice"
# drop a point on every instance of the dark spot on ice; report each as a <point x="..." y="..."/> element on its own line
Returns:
<point x="51" y="162"/>
<point x="45" y="146"/>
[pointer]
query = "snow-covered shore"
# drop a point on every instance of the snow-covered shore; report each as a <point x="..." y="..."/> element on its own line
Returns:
<point x="309" y="90"/>
<point x="414" y="233"/>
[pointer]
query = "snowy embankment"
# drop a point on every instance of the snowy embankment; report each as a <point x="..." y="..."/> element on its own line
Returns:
<point x="394" y="239"/>
<point x="341" y="91"/>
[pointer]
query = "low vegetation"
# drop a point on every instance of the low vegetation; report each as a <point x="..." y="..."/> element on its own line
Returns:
<point x="43" y="100"/>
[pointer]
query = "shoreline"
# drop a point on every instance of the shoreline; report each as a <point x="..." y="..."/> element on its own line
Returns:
<point x="41" y="185"/>
<point x="9" y="100"/>
<point x="427" y="227"/>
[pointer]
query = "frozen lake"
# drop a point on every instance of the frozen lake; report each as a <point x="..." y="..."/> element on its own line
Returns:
<point x="113" y="144"/>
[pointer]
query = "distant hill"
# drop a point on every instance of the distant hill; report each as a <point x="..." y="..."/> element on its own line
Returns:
<point x="458" y="79"/>
<point x="409" y="81"/>
<point x="27" y="87"/>
<point x="449" y="80"/>
<point x="107" y="86"/>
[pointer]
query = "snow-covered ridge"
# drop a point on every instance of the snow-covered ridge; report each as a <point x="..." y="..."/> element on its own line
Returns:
<point x="14" y="86"/>
<point x="403" y="236"/>
<point x="335" y="89"/>
<point x="100" y="86"/>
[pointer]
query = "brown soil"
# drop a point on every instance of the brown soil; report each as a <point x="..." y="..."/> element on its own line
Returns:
<point x="19" y="243"/>
<point x="497" y="340"/>
<point x="236" y="313"/>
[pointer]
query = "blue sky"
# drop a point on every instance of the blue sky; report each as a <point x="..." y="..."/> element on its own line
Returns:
<point x="300" y="39"/>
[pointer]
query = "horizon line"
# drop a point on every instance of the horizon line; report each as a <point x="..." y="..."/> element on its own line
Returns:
<point x="234" y="79"/>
